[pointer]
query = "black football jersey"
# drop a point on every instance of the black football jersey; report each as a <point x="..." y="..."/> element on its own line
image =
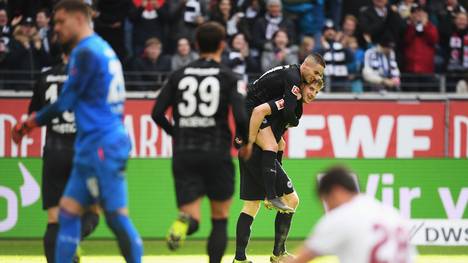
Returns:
<point x="200" y="95"/>
<point x="279" y="82"/>
<point x="45" y="92"/>
<point x="278" y="123"/>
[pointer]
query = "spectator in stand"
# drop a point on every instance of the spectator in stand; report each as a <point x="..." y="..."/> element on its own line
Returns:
<point x="380" y="70"/>
<point x="48" y="37"/>
<point x="381" y="19"/>
<point x="457" y="58"/>
<point x="446" y="15"/>
<point x="184" y="54"/>
<point x="355" y="68"/>
<point x="273" y="20"/>
<point x="109" y="23"/>
<point x="306" y="48"/>
<point x="224" y="14"/>
<point x="404" y="8"/>
<point x="184" y="17"/>
<point x="421" y="39"/>
<point x="26" y="53"/>
<point x="252" y="10"/>
<point x="146" y="67"/>
<point x="5" y="29"/>
<point x="311" y="16"/>
<point x="337" y="59"/>
<point x="238" y="56"/>
<point x="348" y="29"/>
<point x="148" y="22"/>
<point x="278" y="51"/>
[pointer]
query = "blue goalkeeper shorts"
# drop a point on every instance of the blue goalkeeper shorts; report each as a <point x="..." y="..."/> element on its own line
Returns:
<point x="98" y="176"/>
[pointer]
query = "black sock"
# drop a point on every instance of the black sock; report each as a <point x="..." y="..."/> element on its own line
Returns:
<point x="89" y="222"/>
<point x="244" y="224"/>
<point x="279" y="157"/>
<point x="282" y="226"/>
<point x="269" y="173"/>
<point x="50" y="236"/>
<point x="217" y="241"/>
<point x="193" y="226"/>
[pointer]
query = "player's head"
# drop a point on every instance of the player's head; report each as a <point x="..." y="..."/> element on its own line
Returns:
<point x="71" y="19"/>
<point x="210" y="38"/>
<point x="312" y="76"/>
<point x="337" y="186"/>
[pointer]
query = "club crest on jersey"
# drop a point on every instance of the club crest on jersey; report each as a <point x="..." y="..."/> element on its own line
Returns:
<point x="295" y="90"/>
<point x="280" y="104"/>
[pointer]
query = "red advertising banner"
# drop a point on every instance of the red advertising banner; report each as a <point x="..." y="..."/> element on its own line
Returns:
<point x="340" y="129"/>
<point x="458" y="129"/>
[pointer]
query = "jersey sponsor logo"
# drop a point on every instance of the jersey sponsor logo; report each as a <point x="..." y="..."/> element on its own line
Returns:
<point x="296" y="90"/>
<point x="201" y="71"/>
<point x="280" y="104"/>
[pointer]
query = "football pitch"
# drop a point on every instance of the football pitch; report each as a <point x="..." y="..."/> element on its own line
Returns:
<point x="104" y="251"/>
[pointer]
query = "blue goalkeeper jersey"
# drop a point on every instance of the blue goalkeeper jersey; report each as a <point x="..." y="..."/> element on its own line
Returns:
<point x="94" y="91"/>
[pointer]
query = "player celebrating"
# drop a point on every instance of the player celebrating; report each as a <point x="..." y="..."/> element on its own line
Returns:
<point x="200" y="95"/>
<point x="358" y="228"/>
<point x="280" y="82"/>
<point x="253" y="189"/>
<point x="95" y="92"/>
<point x="58" y="155"/>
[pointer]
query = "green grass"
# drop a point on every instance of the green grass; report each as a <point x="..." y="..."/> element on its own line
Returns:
<point x="103" y="251"/>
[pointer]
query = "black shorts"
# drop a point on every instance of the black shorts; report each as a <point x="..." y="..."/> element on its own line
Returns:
<point x="197" y="174"/>
<point x="56" y="169"/>
<point x="252" y="186"/>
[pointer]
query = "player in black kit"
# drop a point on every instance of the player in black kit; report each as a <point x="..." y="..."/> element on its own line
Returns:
<point x="200" y="95"/>
<point x="284" y="82"/>
<point x="58" y="156"/>
<point x="268" y="122"/>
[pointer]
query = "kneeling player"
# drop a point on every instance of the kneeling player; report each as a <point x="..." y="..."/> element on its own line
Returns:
<point x="58" y="155"/>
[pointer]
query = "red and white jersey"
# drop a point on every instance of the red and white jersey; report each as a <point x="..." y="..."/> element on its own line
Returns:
<point x="363" y="231"/>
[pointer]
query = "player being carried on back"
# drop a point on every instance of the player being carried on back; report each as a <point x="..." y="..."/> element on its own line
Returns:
<point x="273" y="121"/>
<point x="286" y="83"/>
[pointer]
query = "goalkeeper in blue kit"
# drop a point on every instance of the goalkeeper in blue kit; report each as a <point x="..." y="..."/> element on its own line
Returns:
<point x="95" y="92"/>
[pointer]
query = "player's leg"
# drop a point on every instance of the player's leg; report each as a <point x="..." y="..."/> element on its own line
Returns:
<point x="185" y="225"/>
<point x="283" y="220"/>
<point x="244" y="227"/>
<point x="218" y="175"/>
<point x="69" y="233"/>
<point x="189" y="188"/>
<point x="217" y="241"/>
<point x="111" y="188"/>
<point x="267" y="142"/>
<point x="89" y="221"/>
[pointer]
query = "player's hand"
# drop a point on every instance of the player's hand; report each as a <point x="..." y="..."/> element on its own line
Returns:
<point x="246" y="151"/>
<point x="23" y="128"/>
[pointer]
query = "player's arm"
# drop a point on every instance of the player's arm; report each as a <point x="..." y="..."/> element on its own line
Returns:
<point x="159" y="109"/>
<point x="292" y="93"/>
<point x="80" y="75"/>
<point x="239" y="110"/>
<point x="259" y="113"/>
<point x="303" y="255"/>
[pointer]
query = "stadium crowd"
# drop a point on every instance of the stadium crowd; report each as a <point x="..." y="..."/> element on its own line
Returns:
<point x="369" y="45"/>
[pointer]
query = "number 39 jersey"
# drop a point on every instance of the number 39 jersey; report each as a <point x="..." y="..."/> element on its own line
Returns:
<point x="200" y="95"/>
<point x="45" y="92"/>
<point x="363" y="231"/>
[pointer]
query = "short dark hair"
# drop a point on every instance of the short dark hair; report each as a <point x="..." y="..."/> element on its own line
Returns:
<point x="336" y="176"/>
<point x="318" y="59"/>
<point x="74" y="6"/>
<point x="209" y="35"/>
<point x="45" y="11"/>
